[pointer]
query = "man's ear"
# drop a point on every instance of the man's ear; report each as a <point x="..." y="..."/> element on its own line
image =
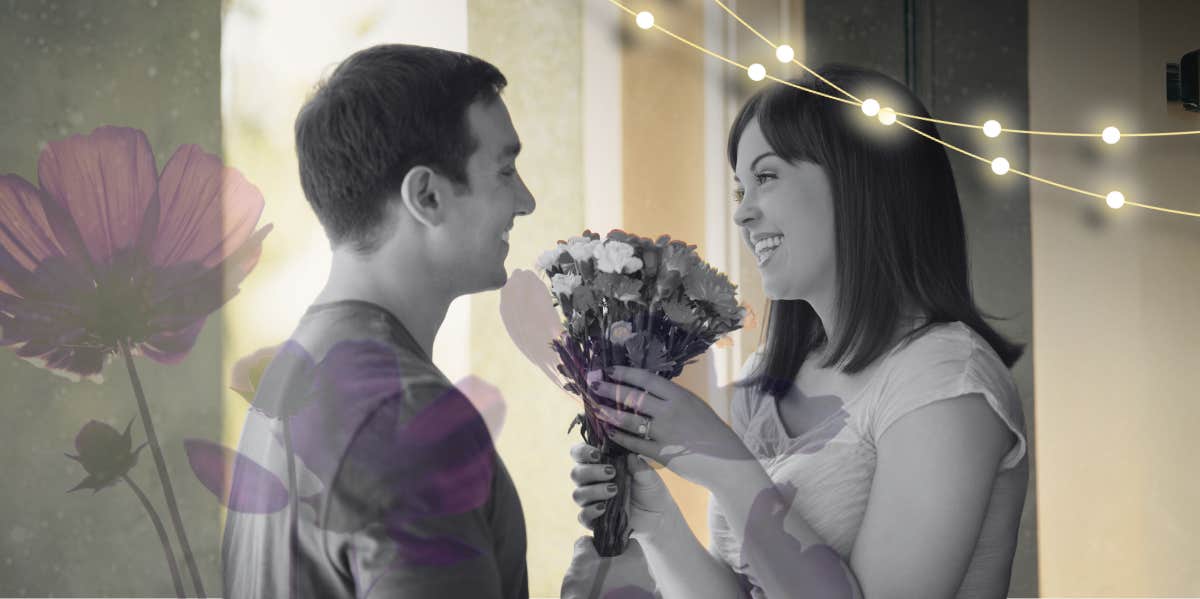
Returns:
<point x="419" y="193"/>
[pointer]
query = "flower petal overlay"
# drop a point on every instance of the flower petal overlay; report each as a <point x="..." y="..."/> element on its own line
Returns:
<point x="380" y="447"/>
<point x="106" y="251"/>
<point x="531" y="320"/>
<point x="259" y="491"/>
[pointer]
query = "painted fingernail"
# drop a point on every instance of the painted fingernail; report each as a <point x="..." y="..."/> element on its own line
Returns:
<point x="611" y="488"/>
<point x="595" y="454"/>
<point x="609" y="470"/>
<point x="612" y="433"/>
<point x="595" y="385"/>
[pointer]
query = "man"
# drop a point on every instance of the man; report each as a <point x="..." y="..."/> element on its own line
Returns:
<point x="407" y="157"/>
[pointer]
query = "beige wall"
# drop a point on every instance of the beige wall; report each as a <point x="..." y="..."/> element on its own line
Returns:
<point x="536" y="44"/>
<point x="1115" y="303"/>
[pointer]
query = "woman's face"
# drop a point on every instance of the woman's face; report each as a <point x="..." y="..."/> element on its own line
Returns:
<point x="786" y="217"/>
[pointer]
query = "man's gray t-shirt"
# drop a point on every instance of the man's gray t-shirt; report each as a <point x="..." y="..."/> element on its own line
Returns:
<point x="393" y="487"/>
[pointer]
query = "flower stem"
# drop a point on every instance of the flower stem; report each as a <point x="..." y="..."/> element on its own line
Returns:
<point x="162" y="534"/>
<point x="161" y="465"/>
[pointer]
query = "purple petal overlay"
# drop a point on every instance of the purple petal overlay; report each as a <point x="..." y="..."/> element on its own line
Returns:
<point x="816" y="568"/>
<point x="488" y="401"/>
<point x="437" y="551"/>
<point x="414" y="550"/>
<point x="531" y="320"/>
<point x="289" y="381"/>
<point x="170" y="347"/>
<point x="248" y="371"/>
<point x="237" y="481"/>
<point x="25" y="236"/>
<point x="104" y="180"/>
<point x="208" y="210"/>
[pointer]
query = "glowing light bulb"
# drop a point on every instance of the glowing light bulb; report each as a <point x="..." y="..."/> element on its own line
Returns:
<point x="1000" y="166"/>
<point x="1115" y="199"/>
<point x="785" y="53"/>
<point x="645" y="20"/>
<point x="887" y="116"/>
<point x="992" y="128"/>
<point x="1111" y="135"/>
<point x="870" y="107"/>
<point x="756" y="72"/>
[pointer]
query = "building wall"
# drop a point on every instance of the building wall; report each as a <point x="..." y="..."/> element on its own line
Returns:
<point x="1115" y="295"/>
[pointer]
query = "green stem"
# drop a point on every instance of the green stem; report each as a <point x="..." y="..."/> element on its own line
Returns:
<point x="162" y="535"/>
<point x="161" y="465"/>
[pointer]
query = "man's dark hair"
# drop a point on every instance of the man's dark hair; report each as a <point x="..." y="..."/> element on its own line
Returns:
<point x="383" y="111"/>
<point x="898" y="223"/>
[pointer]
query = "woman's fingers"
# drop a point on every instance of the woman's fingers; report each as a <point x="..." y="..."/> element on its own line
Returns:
<point x="587" y="495"/>
<point x="586" y="474"/>
<point x="587" y="516"/>
<point x="585" y="454"/>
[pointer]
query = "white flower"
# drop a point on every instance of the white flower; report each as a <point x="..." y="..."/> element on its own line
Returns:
<point x="565" y="284"/>
<point x="620" y="331"/>
<point x="617" y="257"/>
<point x="549" y="257"/>
<point x="581" y="248"/>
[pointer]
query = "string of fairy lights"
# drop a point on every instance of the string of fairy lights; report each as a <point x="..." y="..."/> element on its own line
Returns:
<point x="888" y="116"/>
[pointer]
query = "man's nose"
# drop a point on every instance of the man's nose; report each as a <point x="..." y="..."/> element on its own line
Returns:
<point x="525" y="203"/>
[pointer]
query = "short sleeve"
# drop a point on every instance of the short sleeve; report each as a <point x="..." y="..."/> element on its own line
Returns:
<point x="946" y="367"/>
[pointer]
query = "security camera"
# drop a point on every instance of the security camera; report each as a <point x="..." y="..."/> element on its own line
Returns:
<point x="1183" y="81"/>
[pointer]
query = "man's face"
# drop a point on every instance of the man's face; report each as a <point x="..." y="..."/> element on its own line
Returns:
<point x="478" y="219"/>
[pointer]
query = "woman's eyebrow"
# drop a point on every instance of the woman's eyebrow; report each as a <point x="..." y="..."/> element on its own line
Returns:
<point x="760" y="157"/>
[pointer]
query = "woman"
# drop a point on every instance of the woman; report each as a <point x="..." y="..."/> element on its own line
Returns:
<point x="841" y="472"/>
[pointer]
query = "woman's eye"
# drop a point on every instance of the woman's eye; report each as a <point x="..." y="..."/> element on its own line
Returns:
<point x="763" y="177"/>
<point x="739" y="195"/>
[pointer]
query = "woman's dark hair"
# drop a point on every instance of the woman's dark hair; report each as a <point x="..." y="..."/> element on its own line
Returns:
<point x="383" y="111"/>
<point x="898" y="225"/>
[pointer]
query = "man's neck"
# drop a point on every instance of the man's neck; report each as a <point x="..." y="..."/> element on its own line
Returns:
<point x="418" y="305"/>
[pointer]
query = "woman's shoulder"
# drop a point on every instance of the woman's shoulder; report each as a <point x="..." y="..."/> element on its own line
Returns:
<point x="951" y="347"/>
<point x="947" y="360"/>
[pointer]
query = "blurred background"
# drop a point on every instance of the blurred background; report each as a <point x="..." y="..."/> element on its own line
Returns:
<point x="625" y="128"/>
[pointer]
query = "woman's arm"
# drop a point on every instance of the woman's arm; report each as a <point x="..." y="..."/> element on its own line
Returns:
<point x="681" y="566"/>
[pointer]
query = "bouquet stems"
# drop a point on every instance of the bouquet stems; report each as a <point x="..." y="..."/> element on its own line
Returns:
<point x="610" y="535"/>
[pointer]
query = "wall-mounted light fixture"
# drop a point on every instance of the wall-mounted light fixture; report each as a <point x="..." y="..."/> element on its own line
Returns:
<point x="1183" y="81"/>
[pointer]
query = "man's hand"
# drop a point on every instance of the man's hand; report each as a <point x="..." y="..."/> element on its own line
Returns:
<point x="590" y="576"/>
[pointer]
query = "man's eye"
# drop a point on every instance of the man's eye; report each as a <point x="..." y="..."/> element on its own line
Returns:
<point x="508" y="172"/>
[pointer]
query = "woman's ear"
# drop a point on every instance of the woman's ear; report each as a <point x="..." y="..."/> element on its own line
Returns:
<point x="419" y="193"/>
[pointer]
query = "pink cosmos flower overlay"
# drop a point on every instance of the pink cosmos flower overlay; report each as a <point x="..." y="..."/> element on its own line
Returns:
<point x="106" y="250"/>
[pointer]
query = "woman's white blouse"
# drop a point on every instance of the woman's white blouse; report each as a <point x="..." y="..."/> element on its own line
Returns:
<point x="831" y="465"/>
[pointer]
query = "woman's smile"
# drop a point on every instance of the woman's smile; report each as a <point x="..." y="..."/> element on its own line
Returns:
<point x="765" y="248"/>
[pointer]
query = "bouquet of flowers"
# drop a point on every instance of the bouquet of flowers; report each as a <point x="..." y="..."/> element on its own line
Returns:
<point x="631" y="301"/>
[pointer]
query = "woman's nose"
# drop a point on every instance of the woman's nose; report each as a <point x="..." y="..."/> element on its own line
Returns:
<point x="745" y="214"/>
